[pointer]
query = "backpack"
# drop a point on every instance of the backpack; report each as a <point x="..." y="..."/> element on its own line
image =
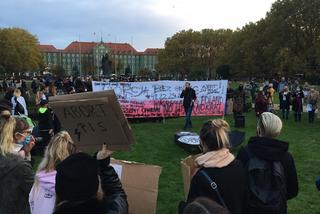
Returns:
<point x="267" y="192"/>
<point x="19" y="108"/>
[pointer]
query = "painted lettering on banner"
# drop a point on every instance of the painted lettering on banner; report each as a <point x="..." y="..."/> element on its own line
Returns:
<point x="162" y="98"/>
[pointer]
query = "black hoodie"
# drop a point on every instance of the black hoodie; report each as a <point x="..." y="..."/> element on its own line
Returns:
<point x="273" y="150"/>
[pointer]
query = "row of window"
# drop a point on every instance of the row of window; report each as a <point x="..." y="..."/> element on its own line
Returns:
<point x="55" y="55"/>
<point x="125" y="63"/>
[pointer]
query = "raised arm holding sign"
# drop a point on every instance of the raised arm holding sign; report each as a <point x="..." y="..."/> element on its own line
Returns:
<point x="94" y="118"/>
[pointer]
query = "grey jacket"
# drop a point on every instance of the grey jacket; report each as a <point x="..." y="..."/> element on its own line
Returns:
<point x="16" y="179"/>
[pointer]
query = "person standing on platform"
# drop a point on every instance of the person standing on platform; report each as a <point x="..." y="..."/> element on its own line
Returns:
<point x="189" y="96"/>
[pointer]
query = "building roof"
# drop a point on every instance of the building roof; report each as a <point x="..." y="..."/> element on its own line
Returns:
<point x="121" y="47"/>
<point x="47" y="48"/>
<point x="75" y="47"/>
<point x="87" y="47"/>
<point x="151" y="51"/>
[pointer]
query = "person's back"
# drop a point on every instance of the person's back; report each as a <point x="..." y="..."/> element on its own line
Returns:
<point x="205" y="205"/>
<point x="220" y="165"/>
<point x="18" y="103"/>
<point x="14" y="185"/>
<point x="42" y="196"/>
<point x="274" y="153"/>
<point x="77" y="186"/>
<point x="231" y="183"/>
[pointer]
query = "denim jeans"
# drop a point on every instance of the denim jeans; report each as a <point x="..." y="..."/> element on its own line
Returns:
<point x="297" y="116"/>
<point x="311" y="116"/>
<point x="188" y="112"/>
<point x="285" y="113"/>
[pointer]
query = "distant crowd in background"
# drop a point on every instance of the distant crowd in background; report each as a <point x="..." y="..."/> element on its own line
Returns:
<point x="292" y="95"/>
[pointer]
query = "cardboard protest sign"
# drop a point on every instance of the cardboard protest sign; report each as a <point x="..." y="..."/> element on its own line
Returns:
<point x="188" y="168"/>
<point x="140" y="183"/>
<point x="162" y="98"/>
<point x="92" y="119"/>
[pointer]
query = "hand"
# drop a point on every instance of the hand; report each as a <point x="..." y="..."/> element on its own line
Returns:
<point x="28" y="147"/>
<point x="104" y="153"/>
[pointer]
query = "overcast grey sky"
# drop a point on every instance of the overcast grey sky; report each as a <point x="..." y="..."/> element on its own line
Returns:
<point x="145" y="23"/>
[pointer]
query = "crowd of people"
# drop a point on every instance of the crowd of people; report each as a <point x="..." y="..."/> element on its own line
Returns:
<point x="260" y="179"/>
<point x="293" y="97"/>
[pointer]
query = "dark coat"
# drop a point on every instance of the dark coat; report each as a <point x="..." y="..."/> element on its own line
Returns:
<point x="285" y="100"/>
<point x="188" y="96"/>
<point x="260" y="105"/>
<point x="273" y="150"/>
<point x="16" y="179"/>
<point x="239" y="100"/>
<point x="231" y="183"/>
<point x="114" y="201"/>
<point x="297" y="104"/>
<point x="45" y="120"/>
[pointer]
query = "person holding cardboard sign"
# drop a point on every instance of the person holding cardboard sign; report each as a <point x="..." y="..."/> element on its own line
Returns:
<point x="86" y="185"/>
<point x="219" y="176"/>
<point x="189" y="96"/>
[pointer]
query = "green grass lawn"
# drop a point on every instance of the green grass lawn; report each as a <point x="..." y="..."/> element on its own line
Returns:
<point x="155" y="145"/>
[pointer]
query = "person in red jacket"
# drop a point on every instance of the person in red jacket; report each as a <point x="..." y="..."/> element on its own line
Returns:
<point x="261" y="103"/>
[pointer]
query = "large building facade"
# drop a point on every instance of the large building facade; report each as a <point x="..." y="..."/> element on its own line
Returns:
<point x="90" y="58"/>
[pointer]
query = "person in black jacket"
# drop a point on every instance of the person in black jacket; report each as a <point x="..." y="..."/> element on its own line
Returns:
<point x="77" y="186"/>
<point x="189" y="96"/>
<point x="297" y="104"/>
<point x="46" y="127"/>
<point x="266" y="147"/>
<point x="285" y="102"/>
<point x="221" y="166"/>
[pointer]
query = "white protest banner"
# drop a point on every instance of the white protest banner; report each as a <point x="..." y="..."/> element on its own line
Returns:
<point x="162" y="98"/>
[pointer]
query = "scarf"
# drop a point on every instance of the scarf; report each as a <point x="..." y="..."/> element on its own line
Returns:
<point x="218" y="159"/>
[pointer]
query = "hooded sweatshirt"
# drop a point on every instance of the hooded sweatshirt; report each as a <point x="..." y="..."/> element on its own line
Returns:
<point x="42" y="196"/>
<point x="273" y="150"/>
<point x="16" y="179"/>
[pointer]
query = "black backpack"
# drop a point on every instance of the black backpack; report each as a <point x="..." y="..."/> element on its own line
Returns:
<point x="19" y="108"/>
<point x="266" y="186"/>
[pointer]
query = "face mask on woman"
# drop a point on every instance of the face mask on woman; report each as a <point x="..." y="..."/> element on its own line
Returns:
<point x="26" y="139"/>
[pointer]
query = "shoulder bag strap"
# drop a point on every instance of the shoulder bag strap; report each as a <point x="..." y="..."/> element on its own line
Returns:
<point x="214" y="186"/>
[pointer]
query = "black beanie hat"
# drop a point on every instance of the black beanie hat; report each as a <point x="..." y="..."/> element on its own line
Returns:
<point x="77" y="178"/>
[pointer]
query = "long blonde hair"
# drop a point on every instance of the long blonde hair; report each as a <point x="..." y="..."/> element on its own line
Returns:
<point x="9" y="126"/>
<point x="59" y="148"/>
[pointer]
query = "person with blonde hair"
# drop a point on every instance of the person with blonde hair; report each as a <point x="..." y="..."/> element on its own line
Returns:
<point x="19" y="105"/>
<point x="312" y="100"/>
<point x="16" y="175"/>
<point x="42" y="195"/>
<point x="270" y="93"/>
<point x="218" y="165"/>
<point x="269" y="157"/>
